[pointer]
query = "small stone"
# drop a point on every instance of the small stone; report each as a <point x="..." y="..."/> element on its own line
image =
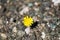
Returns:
<point x="20" y="33"/>
<point x="18" y="22"/>
<point x="8" y="14"/>
<point x="53" y="29"/>
<point x="1" y="26"/>
<point x="24" y="10"/>
<point x="52" y="25"/>
<point x="36" y="9"/>
<point x="1" y="21"/>
<point x="43" y="24"/>
<point x="47" y="18"/>
<point x="27" y="30"/>
<point x="35" y="18"/>
<point x="59" y="38"/>
<point x="13" y="35"/>
<point x="14" y="30"/>
<point x="11" y="19"/>
<point x="36" y="3"/>
<point x="8" y="1"/>
<point x="43" y="35"/>
<point x="30" y="4"/>
<point x="48" y="24"/>
<point x="0" y="6"/>
<point x="53" y="33"/>
<point x="7" y="22"/>
<point x="58" y="22"/>
<point x="4" y="36"/>
<point x="47" y="8"/>
<point x="56" y="2"/>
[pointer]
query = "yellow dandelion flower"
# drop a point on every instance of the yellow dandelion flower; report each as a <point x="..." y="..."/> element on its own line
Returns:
<point x="27" y="21"/>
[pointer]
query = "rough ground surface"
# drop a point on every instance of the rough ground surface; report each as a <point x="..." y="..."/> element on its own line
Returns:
<point x="13" y="11"/>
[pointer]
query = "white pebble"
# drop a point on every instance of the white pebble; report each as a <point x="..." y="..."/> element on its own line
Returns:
<point x="3" y="35"/>
<point x="48" y="24"/>
<point x="14" y="30"/>
<point x="43" y="35"/>
<point x="18" y="22"/>
<point x="36" y="3"/>
<point x="27" y="30"/>
<point x="8" y="1"/>
<point x="7" y="22"/>
<point x="43" y="24"/>
<point x="35" y="19"/>
<point x="59" y="38"/>
<point x="11" y="19"/>
<point x="0" y="6"/>
<point x="56" y="2"/>
<point x="24" y="10"/>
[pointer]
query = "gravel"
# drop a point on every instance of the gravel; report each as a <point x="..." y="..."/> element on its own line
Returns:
<point x="46" y="12"/>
